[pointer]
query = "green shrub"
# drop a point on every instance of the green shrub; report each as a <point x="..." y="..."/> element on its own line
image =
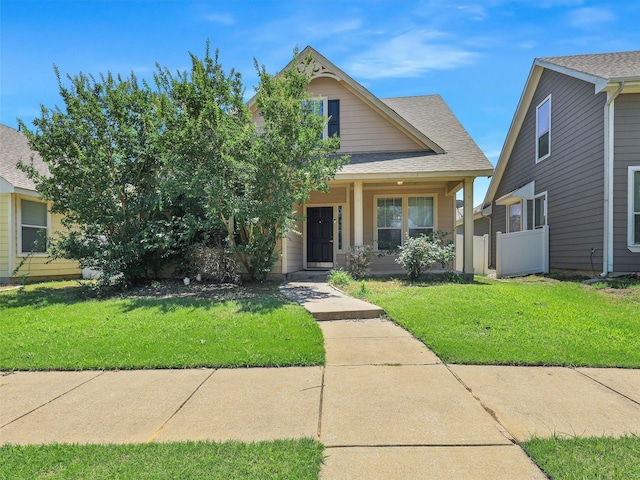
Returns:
<point x="419" y="253"/>
<point x="340" y="278"/>
<point x="359" y="261"/>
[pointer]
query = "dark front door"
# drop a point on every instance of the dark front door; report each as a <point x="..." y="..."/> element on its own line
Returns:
<point x="320" y="237"/>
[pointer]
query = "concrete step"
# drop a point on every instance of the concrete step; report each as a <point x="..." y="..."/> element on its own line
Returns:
<point x="308" y="275"/>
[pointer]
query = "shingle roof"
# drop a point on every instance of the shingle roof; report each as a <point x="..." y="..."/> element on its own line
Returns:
<point x="430" y="115"/>
<point x="13" y="148"/>
<point x="603" y="65"/>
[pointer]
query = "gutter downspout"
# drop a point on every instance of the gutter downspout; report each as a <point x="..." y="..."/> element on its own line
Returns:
<point x="609" y="135"/>
<point x="490" y="218"/>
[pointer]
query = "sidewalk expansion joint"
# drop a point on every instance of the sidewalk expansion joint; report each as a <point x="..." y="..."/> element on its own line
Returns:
<point x="52" y="400"/>
<point x="607" y="386"/>
<point x="422" y="445"/>
<point x="155" y="435"/>
<point x="319" y="431"/>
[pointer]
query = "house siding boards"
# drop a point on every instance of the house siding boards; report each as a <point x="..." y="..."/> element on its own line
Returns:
<point x="573" y="174"/>
<point x="626" y="154"/>
<point x="362" y="129"/>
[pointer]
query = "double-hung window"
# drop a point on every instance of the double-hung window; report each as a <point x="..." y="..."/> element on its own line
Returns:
<point x="33" y="226"/>
<point x="634" y="209"/>
<point x="330" y="111"/>
<point x="389" y="223"/>
<point x="398" y="216"/>
<point x="543" y="129"/>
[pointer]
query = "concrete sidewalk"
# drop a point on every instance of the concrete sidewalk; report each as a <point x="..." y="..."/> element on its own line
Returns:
<point x="384" y="406"/>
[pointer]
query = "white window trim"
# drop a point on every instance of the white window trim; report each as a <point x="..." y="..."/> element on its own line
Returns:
<point x="19" y="224"/>
<point x="405" y="214"/>
<point x="540" y="159"/>
<point x="633" y="247"/>
<point x="546" y="210"/>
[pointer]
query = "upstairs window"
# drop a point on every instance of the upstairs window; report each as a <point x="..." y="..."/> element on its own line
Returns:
<point x="543" y="129"/>
<point x="33" y="226"/>
<point x="634" y="209"/>
<point x="330" y="111"/>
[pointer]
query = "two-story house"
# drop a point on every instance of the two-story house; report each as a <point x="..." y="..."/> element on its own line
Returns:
<point x="409" y="157"/>
<point x="566" y="190"/>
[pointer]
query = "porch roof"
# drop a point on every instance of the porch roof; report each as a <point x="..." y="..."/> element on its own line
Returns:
<point x="430" y="115"/>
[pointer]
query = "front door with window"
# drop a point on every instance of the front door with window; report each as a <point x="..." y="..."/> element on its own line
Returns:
<point x="320" y="237"/>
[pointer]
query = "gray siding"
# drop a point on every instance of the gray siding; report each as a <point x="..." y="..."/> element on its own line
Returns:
<point x="572" y="175"/>
<point x="627" y="153"/>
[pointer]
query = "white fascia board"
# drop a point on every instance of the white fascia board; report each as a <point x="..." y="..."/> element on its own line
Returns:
<point x="455" y="175"/>
<point x="526" y="192"/>
<point x="5" y="187"/>
<point x="514" y="130"/>
<point x="599" y="82"/>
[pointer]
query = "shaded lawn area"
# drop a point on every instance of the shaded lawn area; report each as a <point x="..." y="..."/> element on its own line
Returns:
<point x="602" y="458"/>
<point x="54" y="326"/>
<point x="283" y="459"/>
<point x="530" y="321"/>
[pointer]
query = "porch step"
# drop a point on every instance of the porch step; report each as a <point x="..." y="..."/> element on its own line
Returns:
<point x="324" y="302"/>
<point x="308" y="275"/>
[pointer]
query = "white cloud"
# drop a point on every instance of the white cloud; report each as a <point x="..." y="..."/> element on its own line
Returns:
<point x="590" y="17"/>
<point x="221" y="18"/>
<point x="408" y="55"/>
<point x="476" y="12"/>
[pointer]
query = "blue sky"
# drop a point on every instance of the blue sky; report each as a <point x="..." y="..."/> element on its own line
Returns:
<point x="476" y="54"/>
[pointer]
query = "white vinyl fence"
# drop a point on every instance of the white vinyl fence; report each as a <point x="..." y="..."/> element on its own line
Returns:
<point x="522" y="253"/>
<point x="480" y="254"/>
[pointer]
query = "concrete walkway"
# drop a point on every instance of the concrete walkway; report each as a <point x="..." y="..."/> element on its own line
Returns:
<point x="384" y="406"/>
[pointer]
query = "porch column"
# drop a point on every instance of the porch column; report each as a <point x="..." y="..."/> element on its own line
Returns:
<point x="467" y="268"/>
<point x="358" y="217"/>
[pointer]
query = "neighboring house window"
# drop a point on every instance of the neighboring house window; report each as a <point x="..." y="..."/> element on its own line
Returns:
<point x="33" y="225"/>
<point x="397" y="217"/>
<point x="634" y="209"/>
<point x="514" y="217"/>
<point x="543" y="129"/>
<point x="540" y="210"/>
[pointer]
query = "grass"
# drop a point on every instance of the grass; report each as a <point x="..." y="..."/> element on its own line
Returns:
<point x="54" y="326"/>
<point x="531" y="321"/>
<point x="602" y="458"/>
<point x="284" y="459"/>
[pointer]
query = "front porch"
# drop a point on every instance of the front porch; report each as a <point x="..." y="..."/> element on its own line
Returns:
<point x="379" y="213"/>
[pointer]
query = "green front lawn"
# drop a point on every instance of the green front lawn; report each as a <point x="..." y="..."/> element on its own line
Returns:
<point x="55" y="326"/>
<point x="284" y="459"/>
<point x="587" y="458"/>
<point x="530" y="321"/>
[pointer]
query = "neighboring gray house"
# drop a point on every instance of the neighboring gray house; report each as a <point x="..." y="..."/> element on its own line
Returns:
<point x="570" y="169"/>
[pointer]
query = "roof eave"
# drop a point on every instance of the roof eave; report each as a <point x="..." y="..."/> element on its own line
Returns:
<point x="448" y="174"/>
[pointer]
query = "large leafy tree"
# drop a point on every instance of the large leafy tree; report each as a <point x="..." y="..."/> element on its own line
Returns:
<point x="249" y="175"/>
<point x="103" y="151"/>
<point x="142" y="172"/>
